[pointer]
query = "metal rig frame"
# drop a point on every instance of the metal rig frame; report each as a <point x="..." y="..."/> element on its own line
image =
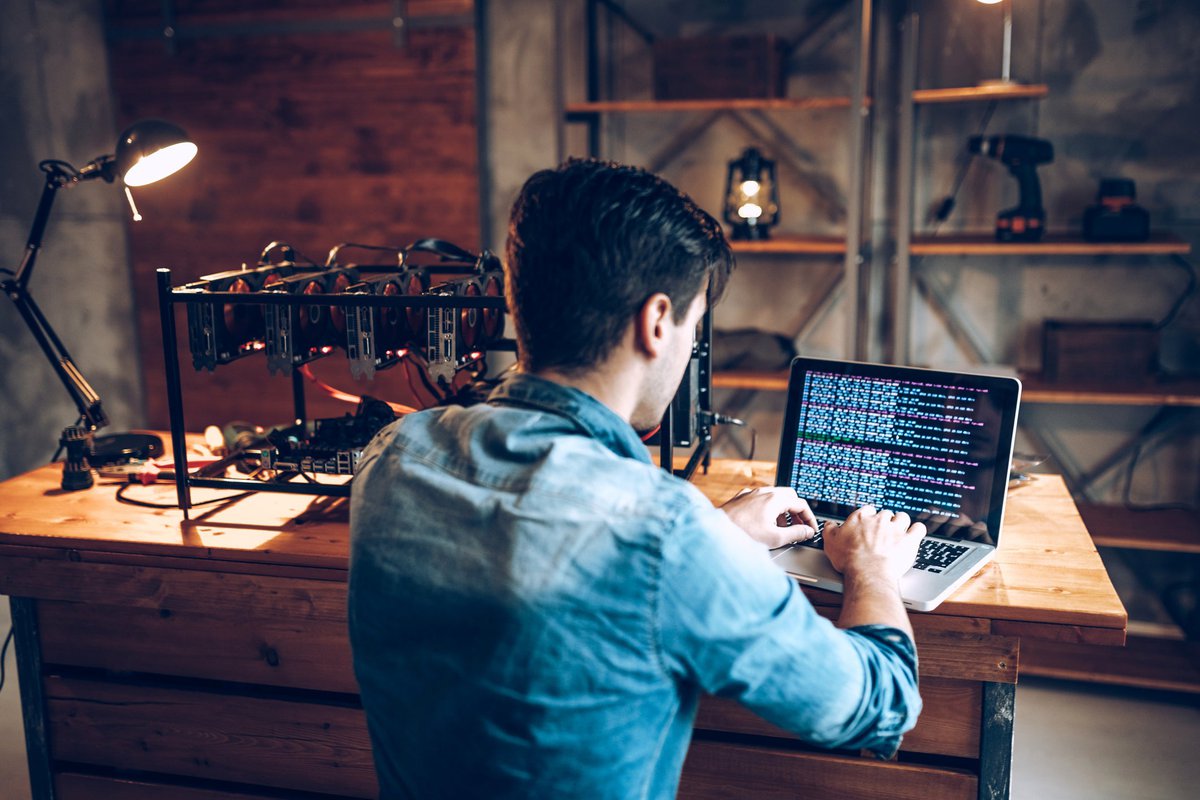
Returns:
<point x="169" y="297"/>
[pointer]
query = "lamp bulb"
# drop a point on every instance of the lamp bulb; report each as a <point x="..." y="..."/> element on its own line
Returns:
<point x="750" y="188"/>
<point x="160" y="164"/>
<point x="749" y="211"/>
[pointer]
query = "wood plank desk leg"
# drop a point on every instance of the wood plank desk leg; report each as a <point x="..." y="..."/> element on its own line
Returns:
<point x="996" y="740"/>
<point x="33" y="700"/>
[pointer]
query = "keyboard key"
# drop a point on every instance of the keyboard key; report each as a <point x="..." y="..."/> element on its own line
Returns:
<point x="818" y="539"/>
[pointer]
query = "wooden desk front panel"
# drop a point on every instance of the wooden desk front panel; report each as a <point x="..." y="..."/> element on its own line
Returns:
<point x="289" y="742"/>
<point x="189" y="674"/>
<point x="247" y="680"/>
<point x="719" y="771"/>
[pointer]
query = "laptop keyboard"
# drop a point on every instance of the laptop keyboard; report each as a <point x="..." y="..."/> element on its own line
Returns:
<point x="934" y="555"/>
<point x="817" y="541"/>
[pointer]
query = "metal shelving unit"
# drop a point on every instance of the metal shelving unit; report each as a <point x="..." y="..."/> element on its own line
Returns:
<point x="850" y="246"/>
<point x="1145" y="662"/>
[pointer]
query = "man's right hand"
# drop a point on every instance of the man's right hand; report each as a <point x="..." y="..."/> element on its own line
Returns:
<point x="872" y="549"/>
<point x="874" y="543"/>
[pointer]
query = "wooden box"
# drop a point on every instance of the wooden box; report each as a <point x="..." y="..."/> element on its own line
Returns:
<point x="718" y="67"/>
<point x="1099" y="352"/>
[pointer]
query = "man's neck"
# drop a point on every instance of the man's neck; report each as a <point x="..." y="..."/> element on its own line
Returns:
<point x="607" y="383"/>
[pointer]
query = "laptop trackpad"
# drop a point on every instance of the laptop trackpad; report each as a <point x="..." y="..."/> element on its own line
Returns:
<point x="808" y="564"/>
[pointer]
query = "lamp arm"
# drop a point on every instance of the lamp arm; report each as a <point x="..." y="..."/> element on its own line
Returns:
<point x="58" y="175"/>
<point x="86" y="399"/>
<point x="34" y="244"/>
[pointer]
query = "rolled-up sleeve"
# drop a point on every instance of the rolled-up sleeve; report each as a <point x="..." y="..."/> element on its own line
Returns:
<point x="898" y="706"/>
<point x="737" y="626"/>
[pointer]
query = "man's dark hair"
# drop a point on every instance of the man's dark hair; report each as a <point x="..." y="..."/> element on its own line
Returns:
<point x="588" y="244"/>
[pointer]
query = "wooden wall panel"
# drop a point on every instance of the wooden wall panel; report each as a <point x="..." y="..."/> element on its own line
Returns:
<point x="287" y="745"/>
<point x="149" y="13"/>
<point x="306" y="136"/>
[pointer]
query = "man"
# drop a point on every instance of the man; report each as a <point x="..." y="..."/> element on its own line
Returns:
<point x="535" y="608"/>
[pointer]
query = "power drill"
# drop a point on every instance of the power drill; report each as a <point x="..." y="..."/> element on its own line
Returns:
<point x="1021" y="154"/>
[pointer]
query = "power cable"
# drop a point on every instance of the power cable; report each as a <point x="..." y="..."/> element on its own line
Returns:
<point x="4" y="655"/>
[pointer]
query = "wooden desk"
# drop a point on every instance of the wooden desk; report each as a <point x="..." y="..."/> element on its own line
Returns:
<point x="209" y="658"/>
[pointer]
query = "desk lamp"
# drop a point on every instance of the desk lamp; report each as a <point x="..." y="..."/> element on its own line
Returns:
<point x="751" y="195"/>
<point x="146" y="152"/>
<point x="1005" y="78"/>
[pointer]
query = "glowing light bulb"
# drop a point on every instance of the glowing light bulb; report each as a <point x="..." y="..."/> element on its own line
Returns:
<point x="750" y="188"/>
<point x="749" y="211"/>
<point x="160" y="164"/>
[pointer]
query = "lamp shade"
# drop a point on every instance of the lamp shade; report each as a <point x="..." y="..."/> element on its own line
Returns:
<point x="152" y="149"/>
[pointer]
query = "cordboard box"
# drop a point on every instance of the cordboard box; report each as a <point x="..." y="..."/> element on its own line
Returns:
<point x="1091" y="351"/>
<point x="719" y="67"/>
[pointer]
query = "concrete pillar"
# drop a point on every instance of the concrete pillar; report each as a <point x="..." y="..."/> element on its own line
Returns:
<point x="56" y="103"/>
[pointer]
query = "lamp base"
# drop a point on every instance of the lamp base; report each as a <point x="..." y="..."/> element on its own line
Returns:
<point x="77" y="472"/>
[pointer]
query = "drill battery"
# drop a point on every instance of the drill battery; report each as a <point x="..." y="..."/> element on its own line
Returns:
<point x="1115" y="217"/>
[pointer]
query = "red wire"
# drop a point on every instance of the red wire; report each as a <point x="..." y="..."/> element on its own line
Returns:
<point x="346" y="397"/>
<point x="648" y="435"/>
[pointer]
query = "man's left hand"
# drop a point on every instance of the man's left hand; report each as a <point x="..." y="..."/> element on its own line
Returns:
<point x="773" y="515"/>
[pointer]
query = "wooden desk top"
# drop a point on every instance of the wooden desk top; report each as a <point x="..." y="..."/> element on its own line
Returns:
<point x="1047" y="573"/>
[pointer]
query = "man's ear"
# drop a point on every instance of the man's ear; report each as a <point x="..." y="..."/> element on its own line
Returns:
<point x="650" y="326"/>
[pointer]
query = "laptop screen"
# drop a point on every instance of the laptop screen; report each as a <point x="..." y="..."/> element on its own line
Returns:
<point x="934" y="444"/>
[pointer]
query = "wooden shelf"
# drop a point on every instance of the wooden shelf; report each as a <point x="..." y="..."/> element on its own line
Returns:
<point x="1164" y="393"/>
<point x="751" y="379"/>
<point x="1175" y="531"/>
<point x="726" y="104"/>
<point x="1144" y="662"/>
<point x="958" y="94"/>
<point x="1054" y="244"/>
<point x="792" y="245"/>
<point x="977" y="94"/>
<point x="1035" y="390"/>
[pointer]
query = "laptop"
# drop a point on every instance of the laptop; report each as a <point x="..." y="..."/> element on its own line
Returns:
<point x="934" y="444"/>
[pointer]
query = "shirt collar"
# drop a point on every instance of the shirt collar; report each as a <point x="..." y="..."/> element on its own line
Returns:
<point x="588" y="414"/>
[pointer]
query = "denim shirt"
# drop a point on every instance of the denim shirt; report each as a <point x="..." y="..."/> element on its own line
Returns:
<point x="535" y="610"/>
